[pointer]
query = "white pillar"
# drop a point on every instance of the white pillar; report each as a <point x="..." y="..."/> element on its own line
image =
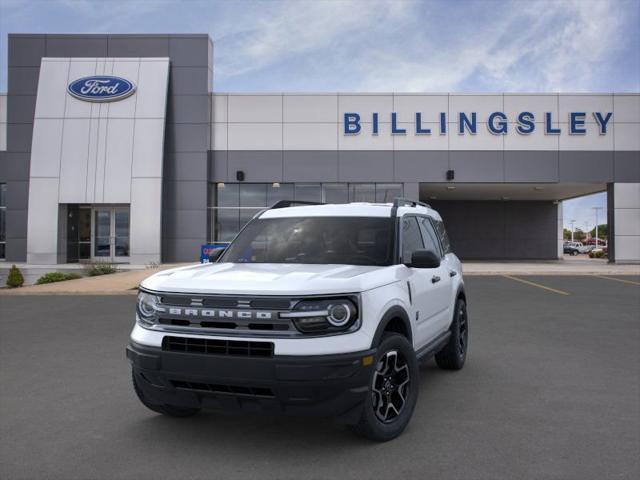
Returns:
<point x="560" y="236"/>
<point x="626" y="222"/>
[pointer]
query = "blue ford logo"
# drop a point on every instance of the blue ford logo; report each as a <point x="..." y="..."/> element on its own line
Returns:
<point x="102" y="88"/>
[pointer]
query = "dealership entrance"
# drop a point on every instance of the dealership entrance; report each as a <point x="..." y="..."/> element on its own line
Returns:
<point x="98" y="233"/>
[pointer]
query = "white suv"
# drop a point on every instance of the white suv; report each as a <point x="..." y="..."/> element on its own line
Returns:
<point x="314" y="309"/>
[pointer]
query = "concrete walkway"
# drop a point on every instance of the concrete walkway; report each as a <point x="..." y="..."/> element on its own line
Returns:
<point x="126" y="282"/>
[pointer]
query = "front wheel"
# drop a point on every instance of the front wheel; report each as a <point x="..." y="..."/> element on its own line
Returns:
<point x="454" y="353"/>
<point x="393" y="391"/>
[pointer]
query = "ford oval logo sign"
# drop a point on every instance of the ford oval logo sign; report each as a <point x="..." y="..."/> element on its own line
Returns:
<point x="101" y="88"/>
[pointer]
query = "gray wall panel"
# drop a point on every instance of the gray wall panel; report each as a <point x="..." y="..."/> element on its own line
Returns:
<point x="501" y="230"/>
<point x="530" y="166"/>
<point x="365" y="166"/>
<point x="17" y="247"/>
<point x="477" y="166"/>
<point x="76" y="46"/>
<point x="23" y="80"/>
<point x="218" y="165"/>
<point x="188" y="109"/>
<point x="185" y="166"/>
<point x="22" y="108"/>
<point x="185" y="195"/>
<point x="19" y="137"/>
<point x="182" y="249"/>
<point x="187" y="137"/>
<point x="16" y="223"/>
<point x="26" y="50"/>
<point x="428" y="166"/>
<point x="188" y="80"/>
<point x="258" y="166"/>
<point x="189" y="51"/>
<point x="626" y="166"/>
<point x="309" y="166"/>
<point x="138" y="46"/>
<point x="15" y="167"/>
<point x="586" y="166"/>
<point x="185" y="223"/>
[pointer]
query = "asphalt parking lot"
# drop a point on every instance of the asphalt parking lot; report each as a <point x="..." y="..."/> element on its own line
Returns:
<point x="551" y="390"/>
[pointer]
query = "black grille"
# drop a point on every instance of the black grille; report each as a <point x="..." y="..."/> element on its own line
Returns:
<point x="218" y="347"/>
<point x="230" y="389"/>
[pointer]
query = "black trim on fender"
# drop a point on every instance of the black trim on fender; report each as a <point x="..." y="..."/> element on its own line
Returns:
<point x="394" y="312"/>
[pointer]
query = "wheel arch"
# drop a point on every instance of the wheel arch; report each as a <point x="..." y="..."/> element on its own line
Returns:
<point x="396" y="319"/>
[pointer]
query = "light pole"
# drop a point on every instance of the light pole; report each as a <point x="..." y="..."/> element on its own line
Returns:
<point x="596" y="210"/>
<point x="572" y="222"/>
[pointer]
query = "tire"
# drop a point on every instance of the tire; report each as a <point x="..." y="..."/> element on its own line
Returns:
<point x="169" y="410"/>
<point x="379" y="421"/>
<point x="454" y="353"/>
<point x="574" y="253"/>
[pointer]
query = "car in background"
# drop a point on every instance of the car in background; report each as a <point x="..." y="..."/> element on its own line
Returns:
<point x="571" y="249"/>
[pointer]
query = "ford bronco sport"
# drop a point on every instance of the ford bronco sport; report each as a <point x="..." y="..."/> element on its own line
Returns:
<point x="312" y="309"/>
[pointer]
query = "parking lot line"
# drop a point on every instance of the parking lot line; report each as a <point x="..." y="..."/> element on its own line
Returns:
<point x="631" y="282"/>
<point x="534" y="284"/>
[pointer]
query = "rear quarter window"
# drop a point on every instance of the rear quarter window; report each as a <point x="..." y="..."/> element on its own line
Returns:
<point x="442" y="234"/>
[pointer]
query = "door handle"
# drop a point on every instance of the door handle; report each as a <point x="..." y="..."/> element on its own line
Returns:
<point x="452" y="273"/>
<point x="435" y="279"/>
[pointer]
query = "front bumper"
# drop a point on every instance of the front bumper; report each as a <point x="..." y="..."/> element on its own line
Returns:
<point x="320" y="385"/>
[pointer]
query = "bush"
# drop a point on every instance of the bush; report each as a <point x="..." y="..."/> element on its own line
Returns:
<point x="15" y="278"/>
<point x="100" y="269"/>
<point x="596" y="254"/>
<point x="52" y="277"/>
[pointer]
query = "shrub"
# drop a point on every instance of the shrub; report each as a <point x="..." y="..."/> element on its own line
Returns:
<point x="52" y="277"/>
<point x="15" y="278"/>
<point x="596" y="254"/>
<point x="100" y="269"/>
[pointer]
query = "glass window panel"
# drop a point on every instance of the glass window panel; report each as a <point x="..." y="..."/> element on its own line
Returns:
<point x="247" y="214"/>
<point x="335" y="193"/>
<point x="84" y="251"/>
<point x="3" y="194"/>
<point x="444" y="238"/>
<point x="103" y="233"/>
<point x="429" y="236"/>
<point x="84" y="224"/>
<point x="227" y="223"/>
<point x="362" y="192"/>
<point x="283" y="192"/>
<point x="411" y="238"/>
<point x="3" y="232"/>
<point x="253" y="195"/>
<point x="386" y="192"/>
<point x="2" y="250"/>
<point x="227" y="195"/>
<point x="308" y="192"/>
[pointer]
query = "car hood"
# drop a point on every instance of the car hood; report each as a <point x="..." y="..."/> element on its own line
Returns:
<point x="270" y="279"/>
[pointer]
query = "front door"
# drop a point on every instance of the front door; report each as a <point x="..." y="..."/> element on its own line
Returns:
<point x="111" y="234"/>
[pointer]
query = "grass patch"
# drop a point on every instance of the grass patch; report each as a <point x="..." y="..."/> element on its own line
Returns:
<point x="53" y="277"/>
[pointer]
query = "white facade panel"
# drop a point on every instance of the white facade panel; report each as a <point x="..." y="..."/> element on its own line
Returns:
<point x="533" y="141"/>
<point x="627" y="249"/>
<point x="255" y="136"/>
<point x="482" y="140"/>
<point x="539" y="105"/>
<point x="148" y="143"/>
<point x="627" y="222"/>
<point x="53" y="80"/>
<point x="43" y="220"/>
<point x="45" y="147"/>
<point x="94" y="129"/>
<point x="411" y="141"/>
<point x="626" y="195"/>
<point x="584" y="103"/>
<point x="626" y="107"/>
<point x="3" y="122"/>
<point x="125" y="108"/>
<point x="592" y="140"/>
<point x="118" y="160"/>
<point x="219" y="132"/>
<point x="365" y="105"/>
<point x="626" y="205"/>
<point x="255" y="108"/>
<point x="219" y="105"/>
<point x="627" y="136"/>
<point x="77" y="108"/>
<point x="310" y="136"/>
<point x="310" y="108"/>
<point x="430" y="107"/>
<point x="151" y="93"/>
<point x="366" y="141"/>
<point x="77" y="166"/>
<point x="483" y="105"/>
<point x="146" y="220"/>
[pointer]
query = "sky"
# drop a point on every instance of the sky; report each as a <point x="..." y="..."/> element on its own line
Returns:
<point x="377" y="45"/>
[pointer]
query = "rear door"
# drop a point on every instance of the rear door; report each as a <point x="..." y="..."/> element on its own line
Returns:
<point x="441" y="293"/>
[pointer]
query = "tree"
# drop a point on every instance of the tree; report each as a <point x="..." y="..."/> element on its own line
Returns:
<point x="603" y="231"/>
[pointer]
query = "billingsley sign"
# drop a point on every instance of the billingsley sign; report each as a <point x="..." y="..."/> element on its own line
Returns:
<point x="497" y="123"/>
<point x="101" y="88"/>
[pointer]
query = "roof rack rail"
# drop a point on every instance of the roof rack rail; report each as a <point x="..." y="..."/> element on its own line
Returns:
<point x="403" y="202"/>
<point x="293" y="203"/>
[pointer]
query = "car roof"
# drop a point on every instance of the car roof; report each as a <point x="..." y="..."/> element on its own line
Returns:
<point x="356" y="209"/>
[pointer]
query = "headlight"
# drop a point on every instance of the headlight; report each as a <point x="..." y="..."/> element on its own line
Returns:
<point x="329" y="315"/>
<point x="147" y="307"/>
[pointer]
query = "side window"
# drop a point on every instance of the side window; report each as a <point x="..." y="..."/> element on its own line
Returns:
<point x="444" y="238"/>
<point x="429" y="235"/>
<point x="411" y="238"/>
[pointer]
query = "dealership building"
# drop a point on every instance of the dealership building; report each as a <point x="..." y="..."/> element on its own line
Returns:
<point x="118" y="148"/>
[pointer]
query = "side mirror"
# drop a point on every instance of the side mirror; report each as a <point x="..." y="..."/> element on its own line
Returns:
<point x="424" y="259"/>
<point x="215" y="255"/>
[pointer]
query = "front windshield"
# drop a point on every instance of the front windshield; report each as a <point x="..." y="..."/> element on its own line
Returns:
<point x="342" y="240"/>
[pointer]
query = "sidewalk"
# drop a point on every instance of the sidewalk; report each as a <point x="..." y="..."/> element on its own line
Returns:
<point x="126" y="282"/>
